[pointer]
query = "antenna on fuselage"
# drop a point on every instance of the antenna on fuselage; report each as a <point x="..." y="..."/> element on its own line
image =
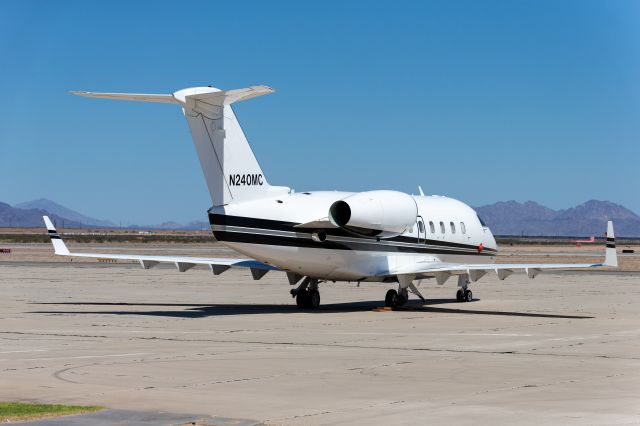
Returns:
<point x="420" y="189"/>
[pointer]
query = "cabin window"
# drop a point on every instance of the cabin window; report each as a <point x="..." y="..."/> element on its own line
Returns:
<point x="453" y="227"/>
<point x="420" y="226"/>
<point x="463" y="228"/>
<point x="442" y="229"/>
<point x="432" y="227"/>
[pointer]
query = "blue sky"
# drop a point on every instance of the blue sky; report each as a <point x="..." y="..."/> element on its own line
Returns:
<point x="482" y="101"/>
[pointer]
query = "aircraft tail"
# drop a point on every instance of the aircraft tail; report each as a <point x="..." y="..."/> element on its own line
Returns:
<point x="230" y="168"/>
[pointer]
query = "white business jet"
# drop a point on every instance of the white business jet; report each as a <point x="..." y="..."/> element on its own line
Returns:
<point x="373" y="236"/>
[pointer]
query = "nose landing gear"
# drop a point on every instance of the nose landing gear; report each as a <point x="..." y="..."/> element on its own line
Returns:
<point x="464" y="294"/>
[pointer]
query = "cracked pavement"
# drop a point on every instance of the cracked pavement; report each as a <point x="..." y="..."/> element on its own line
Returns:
<point x="563" y="348"/>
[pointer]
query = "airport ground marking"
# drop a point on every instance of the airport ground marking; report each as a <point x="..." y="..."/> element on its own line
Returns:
<point x="82" y="357"/>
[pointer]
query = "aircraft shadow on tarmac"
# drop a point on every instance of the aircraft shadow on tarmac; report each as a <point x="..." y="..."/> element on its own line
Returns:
<point x="205" y="310"/>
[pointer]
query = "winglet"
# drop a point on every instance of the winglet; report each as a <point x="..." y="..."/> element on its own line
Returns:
<point x="58" y="245"/>
<point x="610" y="256"/>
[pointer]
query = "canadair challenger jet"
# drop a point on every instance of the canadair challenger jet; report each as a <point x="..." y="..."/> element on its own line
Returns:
<point x="373" y="236"/>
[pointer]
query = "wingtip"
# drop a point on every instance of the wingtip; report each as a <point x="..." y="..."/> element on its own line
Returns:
<point x="611" y="255"/>
<point x="264" y="88"/>
<point x="48" y="223"/>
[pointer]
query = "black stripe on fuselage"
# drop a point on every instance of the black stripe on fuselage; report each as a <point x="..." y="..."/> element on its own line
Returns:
<point x="364" y="243"/>
<point x="242" y="237"/>
<point x="611" y="245"/>
<point x="611" y="239"/>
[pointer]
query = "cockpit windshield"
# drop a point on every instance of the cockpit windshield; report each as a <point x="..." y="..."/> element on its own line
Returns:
<point x="482" y="221"/>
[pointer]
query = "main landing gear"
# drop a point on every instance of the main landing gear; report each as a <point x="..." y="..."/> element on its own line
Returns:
<point x="307" y="294"/>
<point x="464" y="294"/>
<point x="393" y="298"/>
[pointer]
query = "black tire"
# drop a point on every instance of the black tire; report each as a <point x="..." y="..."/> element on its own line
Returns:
<point x="468" y="296"/>
<point x="460" y="296"/>
<point x="313" y="299"/>
<point x="401" y="300"/>
<point x="391" y="299"/>
<point x="301" y="299"/>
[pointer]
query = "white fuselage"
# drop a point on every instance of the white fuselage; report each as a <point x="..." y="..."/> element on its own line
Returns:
<point x="378" y="235"/>
<point x="450" y="231"/>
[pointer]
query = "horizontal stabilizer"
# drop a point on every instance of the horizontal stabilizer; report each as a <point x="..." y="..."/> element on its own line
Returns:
<point x="209" y="94"/>
<point x="141" y="97"/>
<point x="222" y="97"/>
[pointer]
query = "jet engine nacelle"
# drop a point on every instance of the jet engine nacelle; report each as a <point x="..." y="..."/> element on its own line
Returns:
<point x="381" y="214"/>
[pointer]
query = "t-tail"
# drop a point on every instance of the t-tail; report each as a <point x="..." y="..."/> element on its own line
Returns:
<point x="230" y="167"/>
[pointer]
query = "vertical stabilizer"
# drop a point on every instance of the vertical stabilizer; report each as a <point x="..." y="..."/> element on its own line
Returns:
<point x="230" y="168"/>
<point x="229" y="165"/>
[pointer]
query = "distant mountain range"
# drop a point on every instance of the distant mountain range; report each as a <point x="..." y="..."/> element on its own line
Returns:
<point x="533" y="219"/>
<point x="29" y="215"/>
<point x="61" y="211"/>
<point x="194" y="225"/>
<point x="12" y="217"/>
<point x="504" y="218"/>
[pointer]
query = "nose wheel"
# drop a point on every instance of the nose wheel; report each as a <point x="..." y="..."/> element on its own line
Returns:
<point x="464" y="294"/>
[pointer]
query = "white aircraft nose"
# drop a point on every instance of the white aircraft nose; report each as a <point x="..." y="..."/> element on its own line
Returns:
<point x="491" y="241"/>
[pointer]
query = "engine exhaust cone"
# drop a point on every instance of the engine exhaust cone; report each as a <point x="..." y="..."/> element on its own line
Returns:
<point x="339" y="213"/>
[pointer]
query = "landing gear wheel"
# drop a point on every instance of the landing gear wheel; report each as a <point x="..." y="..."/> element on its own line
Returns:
<point x="391" y="299"/>
<point x="313" y="299"/>
<point x="468" y="296"/>
<point x="401" y="300"/>
<point x="460" y="296"/>
<point x="301" y="298"/>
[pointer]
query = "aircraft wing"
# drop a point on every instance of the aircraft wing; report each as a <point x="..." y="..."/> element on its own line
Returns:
<point x="182" y="263"/>
<point x="443" y="270"/>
